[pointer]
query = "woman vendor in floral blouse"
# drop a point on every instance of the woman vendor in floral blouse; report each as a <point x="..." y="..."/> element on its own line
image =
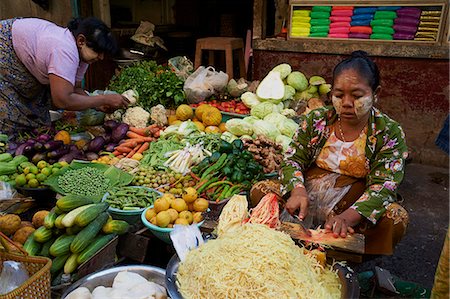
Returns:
<point x="348" y="160"/>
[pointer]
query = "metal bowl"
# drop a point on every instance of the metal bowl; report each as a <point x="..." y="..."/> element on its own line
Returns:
<point x="349" y="280"/>
<point x="106" y="277"/>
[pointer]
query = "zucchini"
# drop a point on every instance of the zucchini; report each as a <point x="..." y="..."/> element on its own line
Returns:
<point x="42" y="234"/>
<point x="71" y="263"/>
<point x="88" y="233"/>
<point x="58" y="211"/>
<point x="73" y="230"/>
<point x="49" y="220"/>
<point x="115" y="227"/>
<point x="69" y="202"/>
<point x="69" y="219"/>
<point x="61" y="246"/>
<point x="46" y="247"/>
<point x="94" y="247"/>
<point x="31" y="246"/>
<point x="58" y="263"/>
<point x="86" y="216"/>
<point x="58" y="221"/>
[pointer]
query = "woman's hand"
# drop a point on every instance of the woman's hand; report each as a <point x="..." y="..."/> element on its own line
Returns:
<point x="298" y="200"/>
<point x="114" y="101"/>
<point x="342" y="224"/>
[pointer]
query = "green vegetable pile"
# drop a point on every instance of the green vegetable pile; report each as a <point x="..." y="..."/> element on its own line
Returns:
<point x="155" y="84"/>
<point x="87" y="181"/>
<point x="131" y="198"/>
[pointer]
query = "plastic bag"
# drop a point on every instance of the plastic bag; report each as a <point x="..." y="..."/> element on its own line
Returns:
<point x="181" y="66"/>
<point x="13" y="275"/>
<point x="196" y="88"/>
<point x="185" y="238"/>
<point x="218" y="80"/>
<point x="6" y="191"/>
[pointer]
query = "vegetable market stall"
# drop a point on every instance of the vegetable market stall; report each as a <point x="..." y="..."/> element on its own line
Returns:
<point x="169" y="160"/>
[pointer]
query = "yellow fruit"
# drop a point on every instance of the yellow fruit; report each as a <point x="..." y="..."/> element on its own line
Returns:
<point x="163" y="219"/>
<point x="186" y="215"/>
<point x="172" y="118"/>
<point x="173" y="214"/>
<point x="199" y="125"/>
<point x="64" y="136"/>
<point x="189" y="194"/>
<point x="149" y="214"/>
<point x="153" y="221"/>
<point x="212" y="129"/>
<point x="38" y="218"/>
<point x="9" y="224"/>
<point x="21" y="180"/>
<point x="222" y="127"/>
<point x="47" y="171"/>
<point x="212" y="117"/>
<point x="137" y="157"/>
<point x="198" y="217"/>
<point x="181" y="221"/>
<point x="30" y="176"/>
<point x="184" y="112"/>
<point x="179" y="205"/>
<point x="195" y="119"/>
<point x="33" y="183"/>
<point x="161" y="204"/>
<point x="200" y="109"/>
<point x="200" y="205"/>
<point x="191" y="206"/>
<point x="41" y="164"/>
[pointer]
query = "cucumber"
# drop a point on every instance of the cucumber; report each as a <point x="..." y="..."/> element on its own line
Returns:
<point x="58" y="263"/>
<point x="46" y="247"/>
<point x="69" y="219"/>
<point x="71" y="263"/>
<point x="49" y="220"/>
<point x="31" y="245"/>
<point x="88" y="215"/>
<point x="94" y="247"/>
<point x="69" y="202"/>
<point x="61" y="246"/>
<point x="87" y="235"/>
<point x="42" y="234"/>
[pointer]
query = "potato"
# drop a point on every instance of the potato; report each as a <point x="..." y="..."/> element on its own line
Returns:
<point x="22" y="234"/>
<point x="9" y="224"/>
<point x="38" y="218"/>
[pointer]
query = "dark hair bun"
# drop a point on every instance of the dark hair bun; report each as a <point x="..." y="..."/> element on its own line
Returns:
<point x="73" y="24"/>
<point x="360" y="54"/>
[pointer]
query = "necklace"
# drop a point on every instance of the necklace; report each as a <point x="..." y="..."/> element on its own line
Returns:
<point x="340" y="129"/>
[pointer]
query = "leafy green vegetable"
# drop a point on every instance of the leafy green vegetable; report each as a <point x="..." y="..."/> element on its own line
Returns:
<point x="156" y="84"/>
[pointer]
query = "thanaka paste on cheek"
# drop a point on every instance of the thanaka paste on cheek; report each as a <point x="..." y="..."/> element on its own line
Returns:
<point x="337" y="103"/>
<point x="363" y="106"/>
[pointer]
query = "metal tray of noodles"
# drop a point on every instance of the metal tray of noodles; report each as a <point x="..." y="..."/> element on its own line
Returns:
<point x="349" y="280"/>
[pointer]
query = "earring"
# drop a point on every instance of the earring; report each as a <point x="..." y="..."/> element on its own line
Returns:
<point x="375" y="98"/>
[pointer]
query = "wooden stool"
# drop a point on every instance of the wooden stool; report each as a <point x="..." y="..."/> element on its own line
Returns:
<point x="227" y="44"/>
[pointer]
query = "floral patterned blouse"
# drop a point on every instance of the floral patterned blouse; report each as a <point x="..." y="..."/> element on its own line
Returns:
<point x="385" y="154"/>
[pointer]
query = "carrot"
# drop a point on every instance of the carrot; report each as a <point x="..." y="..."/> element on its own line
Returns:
<point x="143" y="139"/>
<point x="133" y="151"/>
<point x="157" y="134"/>
<point x="141" y="131"/>
<point x="131" y="134"/>
<point x="123" y="149"/>
<point x="194" y="176"/>
<point x="120" y="156"/>
<point x="131" y="143"/>
<point x="144" y="147"/>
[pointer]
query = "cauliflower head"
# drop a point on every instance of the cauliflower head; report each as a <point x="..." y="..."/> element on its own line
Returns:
<point x="136" y="117"/>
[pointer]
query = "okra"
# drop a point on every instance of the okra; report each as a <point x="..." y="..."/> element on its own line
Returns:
<point x="205" y="185"/>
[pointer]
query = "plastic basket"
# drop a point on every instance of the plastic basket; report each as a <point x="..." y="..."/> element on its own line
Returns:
<point x="38" y="285"/>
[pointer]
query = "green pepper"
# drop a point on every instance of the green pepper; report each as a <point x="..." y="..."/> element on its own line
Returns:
<point x="237" y="176"/>
<point x="214" y="157"/>
<point x="253" y="168"/>
<point x="225" y="147"/>
<point x="237" y="144"/>
<point x="227" y="170"/>
<point x="247" y="156"/>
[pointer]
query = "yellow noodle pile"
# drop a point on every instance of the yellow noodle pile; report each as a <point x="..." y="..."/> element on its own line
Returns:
<point x="233" y="213"/>
<point x="254" y="261"/>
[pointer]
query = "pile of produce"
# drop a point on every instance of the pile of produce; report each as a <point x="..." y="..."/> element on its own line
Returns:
<point x="169" y="210"/>
<point x="231" y="106"/>
<point x="130" y="198"/>
<point x="136" y="141"/>
<point x="206" y="118"/>
<point x="266" y="152"/>
<point x="3" y="143"/>
<point x="72" y="232"/>
<point x="19" y="230"/>
<point x="254" y="261"/>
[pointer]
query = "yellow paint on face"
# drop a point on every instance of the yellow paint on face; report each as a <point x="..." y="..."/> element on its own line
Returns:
<point x="337" y="103"/>
<point x="363" y="105"/>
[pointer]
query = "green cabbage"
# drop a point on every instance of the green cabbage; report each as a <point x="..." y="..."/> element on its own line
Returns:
<point x="271" y="87"/>
<point x="239" y="127"/>
<point x="250" y="99"/>
<point x="284" y="69"/>
<point x="261" y="110"/>
<point x="228" y="137"/>
<point x="298" y="81"/>
<point x="289" y="112"/>
<point x="251" y="119"/>
<point x="284" y="141"/>
<point x="288" y="127"/>
<point x="289" y="92"/>
<point x="275" y="118"/>
<point x="266" y="129"/>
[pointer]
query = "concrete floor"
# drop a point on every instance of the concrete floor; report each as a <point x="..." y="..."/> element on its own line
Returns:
<point x="426" y="197"/>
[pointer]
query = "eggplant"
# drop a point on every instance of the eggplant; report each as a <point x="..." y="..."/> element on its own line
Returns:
<point x="110" y="125"/>
<point x="38" y="146"/>
<point x="73" y="148"/>
<point x="27" y="149"/>
<point x="107" y="137"/>
<point x="55" y="154"/>
<point x="38" y="157"/>
<point x="91" y="156"/>
<point x="119" y="133"/>
<point x="110" y="147"/>
<point x="43" y="138"/>
<point x="20" y="149"/>
<point x="67" y="157"/>
<point x="96" y="144"/>
<point x="30" y="142"/>
<point x="52" y="145"/>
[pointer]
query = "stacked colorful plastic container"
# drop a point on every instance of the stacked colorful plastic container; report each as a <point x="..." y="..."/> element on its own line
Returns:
<point x="320" y="21"/>
<point x="428" y="25"/>
<point x="301" y="23"/>
<point x="360" y="24"/>
<point x="383" y="22"/>
<point x="405" y="25"/>
<point x="341" y="17"/>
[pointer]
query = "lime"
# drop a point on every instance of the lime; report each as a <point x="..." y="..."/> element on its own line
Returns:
<point x="30" y="176"/>
<point x="57" y="164"/>
<point x="41" y="164"/>
<point x="41" y="177"/>
<point x="55" y="169"/>
<point x="26" y="170"/>
<point x="63" y="163"/>
<point x="46" y="170"/>
<point x="34" y="169"/>
<point x="33" y="183"/>
<point x="21" y="180"/>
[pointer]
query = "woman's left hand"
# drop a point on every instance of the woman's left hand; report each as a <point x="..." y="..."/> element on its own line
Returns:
<point x="342" y="224"/>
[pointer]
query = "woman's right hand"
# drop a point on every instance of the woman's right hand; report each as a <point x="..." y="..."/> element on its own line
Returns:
<point x="114" y="101"/>
<point x="298" y="201"/>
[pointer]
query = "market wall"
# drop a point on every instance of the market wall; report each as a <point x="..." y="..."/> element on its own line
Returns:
<point x="415" y="92"/>
<point x="59" y="12"/>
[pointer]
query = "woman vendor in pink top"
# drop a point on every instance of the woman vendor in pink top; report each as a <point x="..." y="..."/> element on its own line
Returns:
<point x="42" y="66"/>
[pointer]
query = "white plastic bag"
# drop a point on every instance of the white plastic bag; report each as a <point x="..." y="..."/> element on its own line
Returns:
<point x="13" y="275"/>
<point x="218" y="80"/>
<point x="203" y="83"/>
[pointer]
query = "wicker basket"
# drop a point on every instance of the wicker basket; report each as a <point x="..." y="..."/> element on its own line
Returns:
<point x="38" y="285"/>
